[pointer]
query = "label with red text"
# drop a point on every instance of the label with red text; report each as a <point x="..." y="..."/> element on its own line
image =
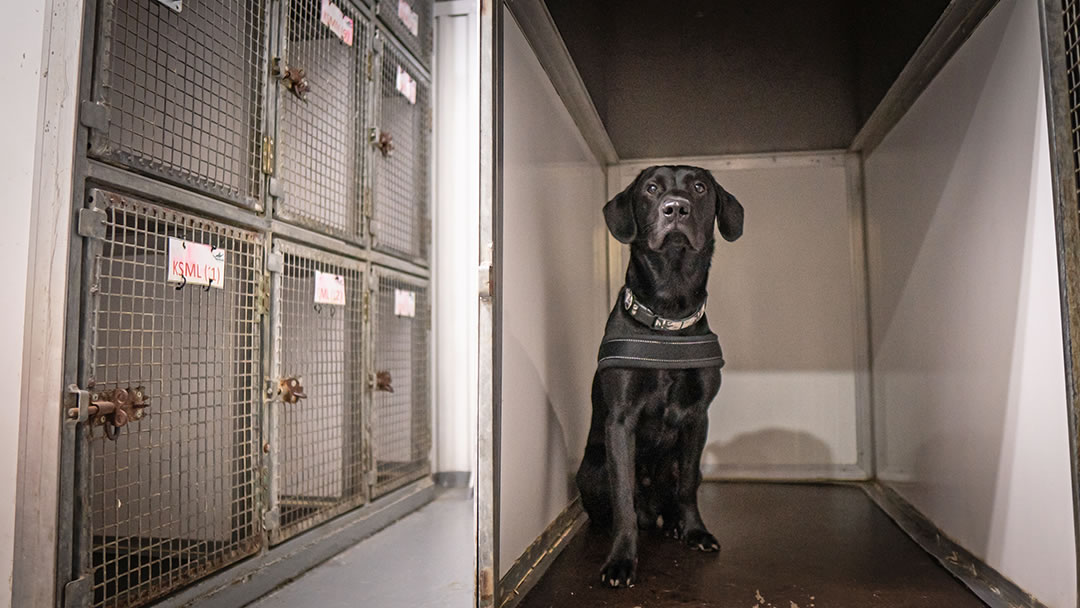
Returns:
<point x="196" y="263"/>
<point x="406" y="85"/>
<point x="409" y="17"/>
<point x="329" y="288"/>
<point x="404" y="303"/>
<point x="333" y="18"/>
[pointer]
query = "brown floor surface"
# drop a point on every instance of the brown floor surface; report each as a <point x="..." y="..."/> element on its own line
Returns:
<point x="783" y="546"/>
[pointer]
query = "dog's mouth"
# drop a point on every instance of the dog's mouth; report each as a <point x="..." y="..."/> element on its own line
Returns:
<point x="673" y="238"/>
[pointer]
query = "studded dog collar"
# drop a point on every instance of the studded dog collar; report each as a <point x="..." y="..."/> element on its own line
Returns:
<point x="650" y="319"/>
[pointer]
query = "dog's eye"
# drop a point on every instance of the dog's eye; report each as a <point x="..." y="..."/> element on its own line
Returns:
<point x="699" y="187"/>
<point x="651" y="189"/>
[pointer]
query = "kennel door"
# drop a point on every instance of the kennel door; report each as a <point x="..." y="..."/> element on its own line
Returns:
<point x="171" y="328"/>
<point x="401" y="425"/>
<point x="323" y="109"/>
<point x="317" y="450"/>
<point x="179" y="95"/>
<point x="400" y="224"/>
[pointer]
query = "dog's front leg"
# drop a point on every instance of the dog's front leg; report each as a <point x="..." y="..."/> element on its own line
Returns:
<point x="620" y="440"/>
<point x="691" y="527"/>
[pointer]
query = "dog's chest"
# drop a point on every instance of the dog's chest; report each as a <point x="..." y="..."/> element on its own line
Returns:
<point x="681" y="397"/>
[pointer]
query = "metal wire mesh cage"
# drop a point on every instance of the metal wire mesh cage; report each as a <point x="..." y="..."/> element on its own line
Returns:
<point x="1071" y="23"/>
<point x="411" y="22"/>
<point x="321" y="129"/>
<point x="183" y="92"/>
<point x="319" y="452"/>
<point x="401" y="429"/>
<point x="400" y="222"/>
<point x="173" y="496"/>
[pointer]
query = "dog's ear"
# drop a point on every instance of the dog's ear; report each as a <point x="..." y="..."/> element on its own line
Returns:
<point x="619" y="214"/>
<point x="729" y="213"/>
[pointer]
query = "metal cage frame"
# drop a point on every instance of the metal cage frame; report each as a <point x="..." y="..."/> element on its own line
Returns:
<point x="257" y="208"/>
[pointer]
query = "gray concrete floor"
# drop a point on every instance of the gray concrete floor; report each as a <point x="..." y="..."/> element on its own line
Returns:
<point x="423" y="560"/>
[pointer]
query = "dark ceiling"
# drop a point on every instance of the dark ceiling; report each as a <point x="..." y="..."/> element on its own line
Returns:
<point x="698" y="77"/>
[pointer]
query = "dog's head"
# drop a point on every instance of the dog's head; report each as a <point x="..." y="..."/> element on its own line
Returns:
<point x="671" y="206"/>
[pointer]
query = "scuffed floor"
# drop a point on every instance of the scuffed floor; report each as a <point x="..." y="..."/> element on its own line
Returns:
<point x="784" y="546"/>
<point x="424" y="560"/>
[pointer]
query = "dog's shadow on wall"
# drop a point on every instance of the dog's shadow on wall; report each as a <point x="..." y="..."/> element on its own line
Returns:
<point x="769" y="447"/>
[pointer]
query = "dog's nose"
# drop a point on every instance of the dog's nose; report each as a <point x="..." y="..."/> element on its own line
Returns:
<point x="675" y="208"/>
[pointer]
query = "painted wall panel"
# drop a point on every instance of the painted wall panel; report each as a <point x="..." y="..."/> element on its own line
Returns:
<point x="456" y="239"/>
<point x="555" y="297"/>
<point x="968" y="377"/>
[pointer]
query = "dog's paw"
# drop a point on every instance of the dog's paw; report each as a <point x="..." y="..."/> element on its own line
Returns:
<point x="673" y="528"/>
<point x="701" y="540"/>
<point x="618" y="572"/>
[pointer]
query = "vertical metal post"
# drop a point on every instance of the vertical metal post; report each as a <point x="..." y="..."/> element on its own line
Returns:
<point x="490" y="355"/>
<point x="1062" y="120"/>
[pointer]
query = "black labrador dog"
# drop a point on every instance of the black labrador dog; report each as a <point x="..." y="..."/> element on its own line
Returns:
<point x="642" y="464"/>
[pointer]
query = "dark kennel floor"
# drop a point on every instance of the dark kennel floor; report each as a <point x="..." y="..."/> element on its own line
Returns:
<point x="784" y="546"/>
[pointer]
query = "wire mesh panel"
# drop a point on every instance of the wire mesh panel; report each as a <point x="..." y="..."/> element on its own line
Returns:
<point x="411" y="22"/>
<point x="183" y="92"/>
<point x="400" y="223"/>
<point x="321" y="156"/>
<point x="1071" y="22"/>
<point x="401" y="429"/>
<point x="173" y="496"/>
<point x="320" y="451"/>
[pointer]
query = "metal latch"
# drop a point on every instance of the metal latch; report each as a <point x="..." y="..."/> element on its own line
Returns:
<point x="382" y="381"/>
<point x="291" y="390"/>
<point x="383" y="142"/>
<point x="294" y="79"/>
<point x="112" y="408"/>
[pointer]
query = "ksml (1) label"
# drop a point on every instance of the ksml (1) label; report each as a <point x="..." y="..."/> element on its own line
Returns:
<point x="196" y="263"/>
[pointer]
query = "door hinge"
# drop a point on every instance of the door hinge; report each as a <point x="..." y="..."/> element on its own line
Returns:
<point x="262" y="302"/>
<point x="94" y="115"/>
<point x="78" y="593"/>
<point x="371" y="65"/>
<point x="367" y="305"/>
<point x="93" y="223"/>
<point x="268" y="155"/>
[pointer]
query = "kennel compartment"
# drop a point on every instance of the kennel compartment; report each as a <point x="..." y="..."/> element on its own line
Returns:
<point x="412" y="22"/>
<point x="401" y="425"/>
<point x="321" y="155"/>
<point x="319" y="340"/>
<point x="180" y="93"/>
<point x="401" y="152"/>
<point x="174" y="496"/>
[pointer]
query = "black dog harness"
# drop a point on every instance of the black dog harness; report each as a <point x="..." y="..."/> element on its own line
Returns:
<point x="658" y="350"/>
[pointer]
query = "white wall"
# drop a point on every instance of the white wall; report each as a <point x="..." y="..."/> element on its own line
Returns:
<point x="968" y="375"/>
<point x="21" y="46"/>
<point x="457" y="234"/>
<point x="555" y="297"/>
<point x="782" y="301"/>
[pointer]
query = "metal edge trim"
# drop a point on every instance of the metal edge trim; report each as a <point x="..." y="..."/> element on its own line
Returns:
<point x="531" y="565"/>
<point x="762" y="160"/>
<point x="952" y="29"/>
<point x="860" y="304"/>
<point x="543" y="35"/>
<point x="984" y="581"/>
<point x="812" y="473"/>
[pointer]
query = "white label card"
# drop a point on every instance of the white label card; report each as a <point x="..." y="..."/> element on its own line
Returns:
<point x="195" y="263"/>
<point x="404" y="303"/>
<point x="406" y="85"/>
<point x="329" y="289"/>
<point x="408" y="17"/>
<point x="333" y="18"/>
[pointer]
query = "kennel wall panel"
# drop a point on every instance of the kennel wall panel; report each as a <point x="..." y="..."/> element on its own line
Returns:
<point x="969" y="387"/>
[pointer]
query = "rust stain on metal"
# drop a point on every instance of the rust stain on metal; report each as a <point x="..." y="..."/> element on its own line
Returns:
<point x="487" y="585"/>
<point x="291" y="390"/>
